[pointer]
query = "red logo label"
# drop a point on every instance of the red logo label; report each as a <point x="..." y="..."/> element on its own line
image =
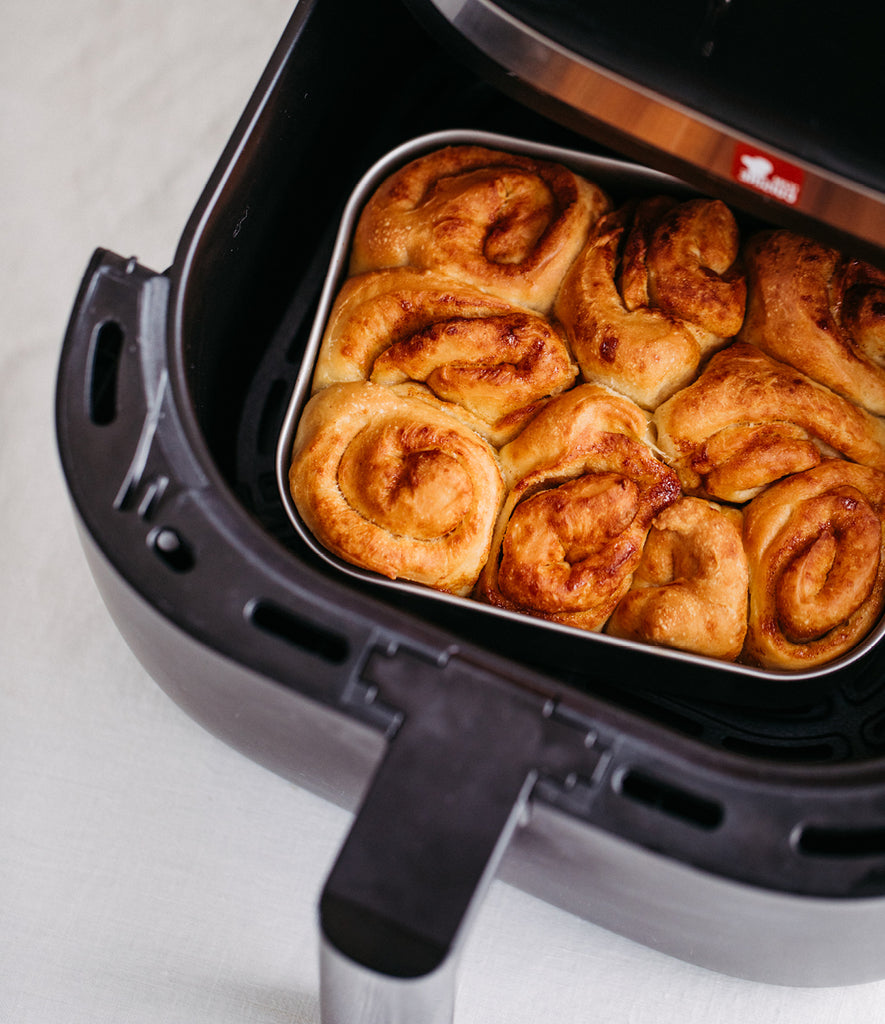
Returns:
<point x="765" y="173"/>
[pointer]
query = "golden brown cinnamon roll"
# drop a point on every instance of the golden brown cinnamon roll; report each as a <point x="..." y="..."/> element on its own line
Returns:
<point x="815" y="545"/>
<point x="395" y="485"/>
<point x="584" y="488"/>
<point x="655" y="289"/>
<point x="496" y="360"/>
<point x="820" y="311"/>
<point x="749" y="420"/>
<point x="689" y="590"/>
<point x="508" y="223"/>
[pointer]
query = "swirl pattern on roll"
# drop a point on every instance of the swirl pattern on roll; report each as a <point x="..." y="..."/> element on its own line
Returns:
<point x="497" y="361"/>
<point x="395" y="485"/>
<point x="689" y="590"/>
<point x="749" y="420"/>
<point x="817" y="579"/>
<point x="507" y="223"/>
<point x="820" y="311"/>
<point x="583" y="490"/>
<point x="655" y="289"/>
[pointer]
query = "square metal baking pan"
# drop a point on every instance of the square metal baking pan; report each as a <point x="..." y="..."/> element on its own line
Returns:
<point x="678" y="671"/>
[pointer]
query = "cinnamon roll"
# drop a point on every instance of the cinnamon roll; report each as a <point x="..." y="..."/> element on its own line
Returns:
<point x="498" y="361"/>
<point x="820" y="311"/>
<point x="749" y="420"/>
<point x="583" y="490"/>
<point x="817" y="574"/>
<point x="689" y="590"/>
<point x="395" y="485"/>
<point x="508" y="223"/>
<point x="654" y="291"/>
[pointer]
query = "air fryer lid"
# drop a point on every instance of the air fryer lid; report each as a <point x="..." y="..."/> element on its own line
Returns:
<point x="770" y="107"/>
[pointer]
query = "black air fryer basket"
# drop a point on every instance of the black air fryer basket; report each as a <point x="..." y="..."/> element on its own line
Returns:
<point x="655" y="796"/>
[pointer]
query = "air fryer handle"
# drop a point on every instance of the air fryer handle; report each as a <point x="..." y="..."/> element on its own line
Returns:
<point x="425" y="843"/>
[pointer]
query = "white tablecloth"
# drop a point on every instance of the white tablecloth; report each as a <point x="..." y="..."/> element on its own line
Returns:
<point x="148" y="873"/>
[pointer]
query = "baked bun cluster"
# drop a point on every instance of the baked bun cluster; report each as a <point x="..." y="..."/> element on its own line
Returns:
<point x="624" y="418"/>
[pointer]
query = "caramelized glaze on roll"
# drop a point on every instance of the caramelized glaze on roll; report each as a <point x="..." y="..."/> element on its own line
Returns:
<point x="654" y="290"/>
<point x="583" y="490"/>
<point x="508" y="223"/>
<point x="689" y="590"/>
<point x="749" y="420"/>
<point x="498" y="361"/>
<point x="817" y="578"/>
<point x="395" y="485"/>
<point x="820" y="311"/>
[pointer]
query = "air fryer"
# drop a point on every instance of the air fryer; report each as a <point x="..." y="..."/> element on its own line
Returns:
<point x="742" y="831"/>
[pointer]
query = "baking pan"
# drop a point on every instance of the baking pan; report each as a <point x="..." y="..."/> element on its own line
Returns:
<point x="679" y="671"/>
<point x="748" y="839"/>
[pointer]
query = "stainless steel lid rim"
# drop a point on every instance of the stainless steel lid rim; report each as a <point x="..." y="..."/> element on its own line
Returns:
<point x="685" y="139"/>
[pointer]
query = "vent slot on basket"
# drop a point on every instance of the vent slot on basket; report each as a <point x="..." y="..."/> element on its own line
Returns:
<point x="822" y="841"/>
<point x="105" y="366"/>
<point x="294" y="630"/>
<point x="671" y="800"/>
